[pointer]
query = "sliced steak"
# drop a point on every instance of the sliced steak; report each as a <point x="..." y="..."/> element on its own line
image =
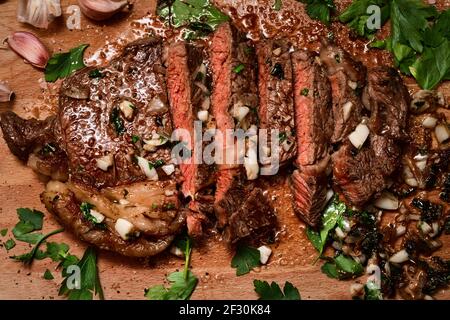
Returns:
<point x="37" y="143"/>
<point x="189" y="86"/>
<point x="388" y="100"/>
<point x="66" y="207"/>
<point x="276" y="108"/>
<point x="234" y="102"/>
<point x="313" y="128"/>
<point x="347" y="77"/>
<point x="362" y="174"/>
<point x="93" y="124"/>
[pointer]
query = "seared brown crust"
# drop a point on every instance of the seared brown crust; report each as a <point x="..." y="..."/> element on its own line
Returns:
<point x="87" y="124"/>
<point x="276" y="107"/>
<point x="66" y="208"/>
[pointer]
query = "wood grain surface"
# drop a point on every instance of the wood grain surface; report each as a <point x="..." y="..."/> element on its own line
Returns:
<point x="123" y="278"/>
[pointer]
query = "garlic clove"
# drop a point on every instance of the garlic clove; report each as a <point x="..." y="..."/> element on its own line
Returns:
<point x="29" y="47"/>
<point x="5" y="92"/>
<point x="101" y="9"/>
<point x="38" y="13"/>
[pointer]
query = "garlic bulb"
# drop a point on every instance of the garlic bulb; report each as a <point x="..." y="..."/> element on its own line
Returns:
<point x="101" y="9"/>
<point x="29" y="47"/>
<point x="38" y="13"/>
<point x="5" y="92"/>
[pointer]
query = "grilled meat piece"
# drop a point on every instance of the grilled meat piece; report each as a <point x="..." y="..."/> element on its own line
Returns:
<point x="37" y="143"/>
<point x="276" y="109"/>
<point x="97" y="123"/>
<point x="313" y="128"/>
<point x="388" y="100"/>
<point x="347" y="77"/>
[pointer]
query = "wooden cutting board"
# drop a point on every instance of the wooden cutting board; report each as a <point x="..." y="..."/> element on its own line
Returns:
<point x="123" y="278"/>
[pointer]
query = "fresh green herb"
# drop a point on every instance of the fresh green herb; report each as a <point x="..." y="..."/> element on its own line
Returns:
<point x="85" y="208"/>
<point x="273" y="291"/>
<point x="342" y="267"/>
<point x="135" y="138"/>
<point x="3" y="232"/>
<point x="63" y="64"/>
<point x="29" y="220"/>
<point x="245" y="259"/>
<point x="170" y="206"/>
<point x="28" y="258"/>
<point x="277" y="5"/>
<point x="9" y="244"/>
<point x="249" y="50"/>
<point x="372" y="292"/>
<point x="95" y="73"/>
<point x="304" y="92"/>
<point x="239" y="68"/>
<point x="158" y="163"/>
<point x="182" y="283"/>
<point x="154" y="206"/>
<point x="320" y="9"/>
<point x="356" y="16"/>
<point x="48" y="275"/>
<point x="277" y="71"/>
<point x="199" y="17"/>
<point x="332" y="214"/>
<point x="117" y="121"/>
<point x="282" y="136"/>
<point x="49" y="148"/>
<point x="89" y="281"/>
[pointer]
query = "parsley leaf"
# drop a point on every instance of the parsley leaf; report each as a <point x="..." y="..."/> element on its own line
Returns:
<point x="89" y="282"/>
<point x="408" y="20"/>
<point x="28" y="258"/>
<point x="3" y="232"/>
<point x="331" y="216"/>
<point x="245" y="259"/>
<point x="9" y="244"/>
<point x="198" y="16"/>
<point x="372" y="292"/>
<point x="356" y="15"/>
<point x="277" y="5"/>
<point x="342" y="267"/>
<point x="63" y="64"/>
<point x="273" y="291"/>
<point x="320" y="9"/>
<point x="48" y="275"/>
<point x="29" y="220"/>
<point x="182" y="283"/>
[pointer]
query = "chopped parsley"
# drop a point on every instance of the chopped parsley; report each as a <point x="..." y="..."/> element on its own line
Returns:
<point x="277" y="71"/>
<point x="282" y="136"/>
<point x="273" y="291"/>
<point x="342" y="267"/>
<point x="117" y="121"/>
<point x="239" y="68"/>
<point x="304" y="92"/>
<point x="245" y="259"/>
<point x="277" y="5"/>
<point x="30" y="220"/>
<point x="135" y="138"/>
<point x="95" y="73"/>
<point x="9" y="244"/>
<point x="63" y="64"/>
<point x="158" y="163"/>
<point x="3" y="232"/>
<point x="85" y="208"/>
<point x="48" y="275"/>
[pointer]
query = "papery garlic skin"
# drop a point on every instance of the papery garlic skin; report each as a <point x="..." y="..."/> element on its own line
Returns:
<point x="73" y="22"/>
<point x="101" y="9"/>
<point x="38" y="13"/>
<point x="29" y="47"/>
<point x="5" y="92"/>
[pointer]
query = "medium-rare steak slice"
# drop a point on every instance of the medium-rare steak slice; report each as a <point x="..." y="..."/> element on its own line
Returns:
<point x="112" y="131"/>
<point x="234" y="102"/>
<point x="101" y="116"/>
<point x="276" y="106"/>
<point x="189" y="87"/>
<point x="313" y="128"/>
<point x="347" y="77"/>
